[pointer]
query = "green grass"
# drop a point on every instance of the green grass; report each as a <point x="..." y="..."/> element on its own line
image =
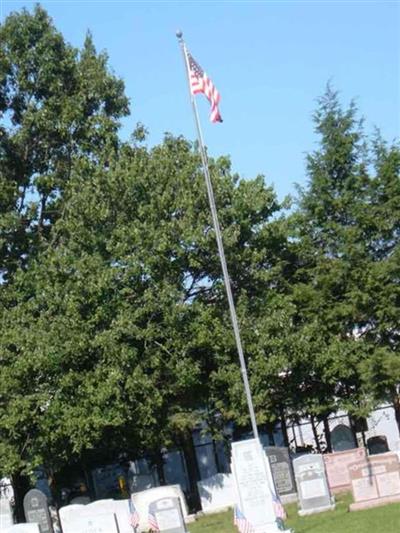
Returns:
<point x="378" y="520"/>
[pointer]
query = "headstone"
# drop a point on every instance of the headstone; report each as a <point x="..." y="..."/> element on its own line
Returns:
<point x="377" y="445"/>
<point x="217" y="493"/>
<point x="167" y="515"/>
<point x="6" y="514"/>
<point x="342" y="438"/>
<point x="23" y="528"/>
<point x="96" y="523"/>
<point x="143" y="499"/>
<point x="337" y="471"/>
<point x="6" y="489"/>
<point x="255" y="490"/>
<point x="68" y="513"/>
<point x="120" y="508"/>
<point x="312" y="485"/>
<point x="36" y="510"/>
<point x="282" y="472"/>
<point x="375" y="481"/>
<point x="123" y="515"/>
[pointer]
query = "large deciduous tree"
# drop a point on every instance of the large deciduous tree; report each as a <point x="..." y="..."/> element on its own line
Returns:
<point x="115" y="329"/>
<point x="56" y="103"/>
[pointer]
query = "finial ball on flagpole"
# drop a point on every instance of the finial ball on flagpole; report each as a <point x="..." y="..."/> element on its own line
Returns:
<point x="179" y="34"/>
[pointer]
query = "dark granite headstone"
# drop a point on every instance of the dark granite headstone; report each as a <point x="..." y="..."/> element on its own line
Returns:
<point x="342" y="438"/>
<point x="36" y="509"/>
<point x="377" y="445"/>
<point x="281" y="467"/>
<point x="167" y="515"/>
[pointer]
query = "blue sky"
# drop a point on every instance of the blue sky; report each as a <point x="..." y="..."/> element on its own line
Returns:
<point x="269" y="60"/>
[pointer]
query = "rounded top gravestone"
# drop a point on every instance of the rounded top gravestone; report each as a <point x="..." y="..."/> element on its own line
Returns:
<point x="36" y="510"/>
<point x="166" y="513"/>
<point x="342" y="438"/>
<point x="377" y="444"/>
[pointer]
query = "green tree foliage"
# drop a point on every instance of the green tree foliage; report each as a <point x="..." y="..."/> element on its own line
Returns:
<point x="115" y="332"/>
<point x="380" y="303"/>
<point x="56" y="103"/>
<point x="346" y="234"/>
<point x="112" y="329"/>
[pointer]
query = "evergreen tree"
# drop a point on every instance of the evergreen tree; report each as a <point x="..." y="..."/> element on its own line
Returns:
<point x="333" y="257"/>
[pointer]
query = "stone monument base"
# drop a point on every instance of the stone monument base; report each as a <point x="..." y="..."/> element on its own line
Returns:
<point x="315" y="510"/>
<point x="358" y="506"/>
<point x="289" y="498"/>
<point x="271" y="530"/>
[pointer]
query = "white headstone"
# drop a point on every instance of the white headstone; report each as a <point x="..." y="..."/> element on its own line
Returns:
<point x="312" y="485"/>
<point x="6" y="515"/>
<point x="122" y="514"/>
<point x="143" y="499"/>
<point x="68" y="514"/>
<point x="120" y="508"/>
<point x="255" y="490"/>
<point x="96" y="523"/>
<point x="167" y="514"/>
<point x="217" y="492"/>
<point x="23" y="528"/>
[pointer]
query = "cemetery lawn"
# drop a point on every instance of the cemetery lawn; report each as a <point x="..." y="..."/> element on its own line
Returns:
<point x="385" y="519"/>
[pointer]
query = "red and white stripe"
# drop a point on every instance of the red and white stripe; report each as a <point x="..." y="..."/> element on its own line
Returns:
<point x="201" y="83"/>
<point x="240" y="521"/>
<point x="153" y="522"/>
<point x="133" y="515"/>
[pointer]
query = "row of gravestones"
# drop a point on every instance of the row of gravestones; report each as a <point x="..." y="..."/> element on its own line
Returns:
<point x="160" y="508"/>
<point x="313" y="480"/>
<point x="375" y="480"/>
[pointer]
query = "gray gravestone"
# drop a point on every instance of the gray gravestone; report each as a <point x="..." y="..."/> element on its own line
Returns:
<point x="282" y="471"/>
<point x="36" y="509"/>
<point x="167" y="514"/>
<point x="312" y="485"/>
<point x="377" y="445"/>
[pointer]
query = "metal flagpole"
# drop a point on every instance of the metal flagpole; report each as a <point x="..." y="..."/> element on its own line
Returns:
<point x="221" y="252"/>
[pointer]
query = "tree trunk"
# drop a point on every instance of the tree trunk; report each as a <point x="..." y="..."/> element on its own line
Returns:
<point x="314" y="430"/>
<point x="284" y="428"/>
<point x="189" y="453"/>
<point x="327" y="432"/>
<point x="159" y="462"/>
<point x="353" y="430"/>
<point x="396" y="406"/>
<point x="21" y="486"/>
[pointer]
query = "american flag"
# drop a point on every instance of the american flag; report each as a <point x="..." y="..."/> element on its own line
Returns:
<point x="153" y="522"/>
<point x="280" y="512"/>
<point x="201" y="83"/>
<point x="241" y="522"/>
<point x="133" y="514"/>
